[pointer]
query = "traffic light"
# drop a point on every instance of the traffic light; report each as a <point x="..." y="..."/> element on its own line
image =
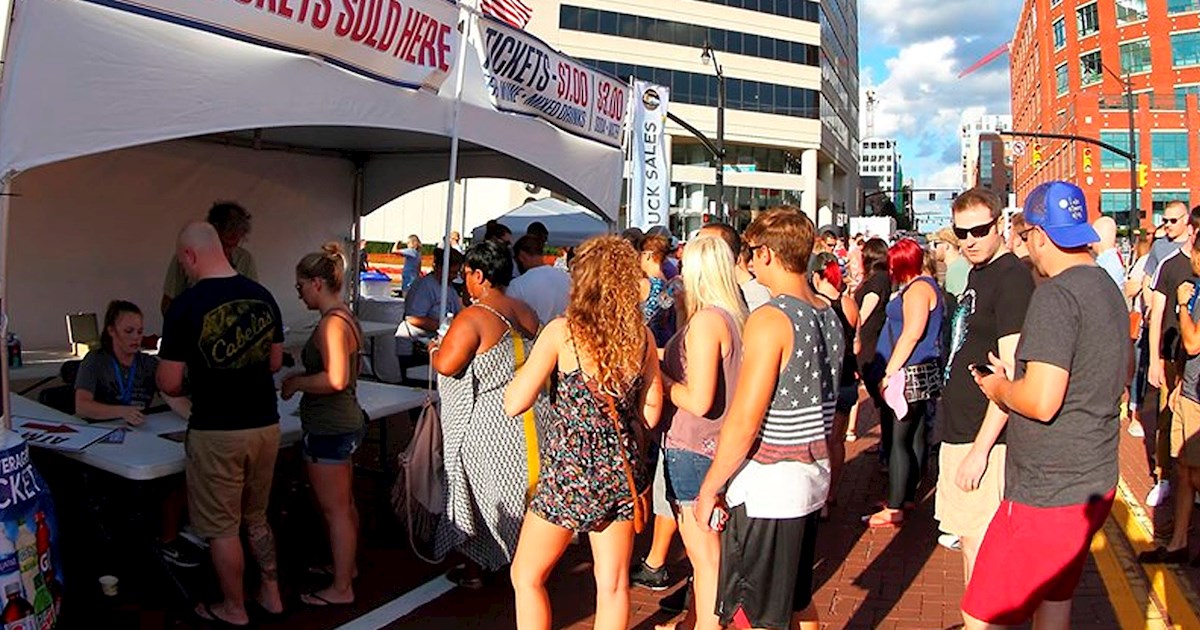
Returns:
<point x="1143" y="175"/>
<point x="1036" y="156"/>
<point x="1087" y="160"/>
<point x="706" y="218"/>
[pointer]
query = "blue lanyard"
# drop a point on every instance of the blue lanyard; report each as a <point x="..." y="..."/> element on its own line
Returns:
<point x="125" y="387"/>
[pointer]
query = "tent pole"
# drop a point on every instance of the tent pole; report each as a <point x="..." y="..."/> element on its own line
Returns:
<point x="356" y="259"/>
<point x="6" y="421"/>
<point x="467" y="18"/>
<point x="463" y="225"/>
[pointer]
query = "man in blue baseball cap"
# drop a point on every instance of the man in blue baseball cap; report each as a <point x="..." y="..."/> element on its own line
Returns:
<point x="1063" y="396"/>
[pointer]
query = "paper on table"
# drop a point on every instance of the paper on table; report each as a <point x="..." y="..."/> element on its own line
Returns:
<point x="894" y="395"/>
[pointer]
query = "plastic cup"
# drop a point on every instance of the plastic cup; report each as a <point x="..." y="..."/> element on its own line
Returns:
<point x="108" y="584"/>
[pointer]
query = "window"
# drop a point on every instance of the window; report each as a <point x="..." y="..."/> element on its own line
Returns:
<point x="1131" y="10"/>
<point x="1110" y="161"/>
<point x="1061" y="79"/>
<point x="1169" y="149"/>
<point x="1090" y="69"/>
<point x="1182" y="6"/>
<point x="1060" y="33"/>
<point x="1115" y="203"/>
<point x="1135" y="56"/>
<point x="1185" y="49"/>
<point x="1181" y="92"/>
<point x="1087" y="20"/>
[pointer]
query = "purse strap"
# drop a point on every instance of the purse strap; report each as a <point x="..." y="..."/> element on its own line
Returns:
<point x="616" y="417"/>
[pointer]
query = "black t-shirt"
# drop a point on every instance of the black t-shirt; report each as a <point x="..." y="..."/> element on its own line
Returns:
<point x="1037" y="276"/>
<point x="1174" y="271"/>
<point x="879" y="284"/>
<point x="1077" y="321"/>
<point x="223" y="329"/>
<point x="992" y="306"/>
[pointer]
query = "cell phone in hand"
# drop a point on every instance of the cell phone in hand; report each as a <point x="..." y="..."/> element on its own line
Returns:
<point x="716" y="521"/>
<point x="983" y="369"/>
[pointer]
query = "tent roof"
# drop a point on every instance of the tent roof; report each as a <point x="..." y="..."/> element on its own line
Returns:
<point x="569" y="224"/>
<point x="82" y="78"/>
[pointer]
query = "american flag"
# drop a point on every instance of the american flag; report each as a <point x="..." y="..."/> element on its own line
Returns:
<point x="514" y="12"/>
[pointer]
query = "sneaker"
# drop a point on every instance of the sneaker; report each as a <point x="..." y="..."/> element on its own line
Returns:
<point x="1159" y="493"/>
<point x="187" y="534"/>
<point x="1136" y="430"/>
<point x="180" y="554"/>
<point x="677" y="602"/>
<point x="653" y="579"/>
<point x="950" y="541"/>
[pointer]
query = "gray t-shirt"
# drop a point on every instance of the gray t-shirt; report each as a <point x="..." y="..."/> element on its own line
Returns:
<point x="1076" y="321"/>
<point x="134" y="387"/>
<point x="1190" y="385"/>
<point x="1159" y="251"/>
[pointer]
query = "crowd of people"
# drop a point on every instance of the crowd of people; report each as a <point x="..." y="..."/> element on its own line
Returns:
<point x="705" y="390"/>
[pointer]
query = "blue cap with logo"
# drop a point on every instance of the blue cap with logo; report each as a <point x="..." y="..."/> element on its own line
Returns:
<point x="1060" y="210"/>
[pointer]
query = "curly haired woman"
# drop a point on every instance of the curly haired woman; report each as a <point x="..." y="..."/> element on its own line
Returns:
<point x="606" y="364"/>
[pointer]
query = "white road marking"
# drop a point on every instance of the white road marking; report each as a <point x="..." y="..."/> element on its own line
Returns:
<point x="401" y="606"/>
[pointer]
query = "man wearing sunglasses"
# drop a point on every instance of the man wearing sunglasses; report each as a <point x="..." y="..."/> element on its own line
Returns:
<point x="1163" y="330"/>
<point x="1063" y="394"/>
<point x="988" y="320"/>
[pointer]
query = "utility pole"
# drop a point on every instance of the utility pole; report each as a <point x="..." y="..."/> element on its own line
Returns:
<point x="1135" y="217"/>
<point x="708" y="56"/>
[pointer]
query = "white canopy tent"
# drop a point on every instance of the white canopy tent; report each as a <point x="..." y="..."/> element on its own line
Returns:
<point x="87" y="83"/>
<point x="569" y="224"/>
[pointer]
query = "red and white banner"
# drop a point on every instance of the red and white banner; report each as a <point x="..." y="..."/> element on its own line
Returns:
<point x="404" y="42"/>
<point x="527" y="76"/>
<point x="514" y="12"/>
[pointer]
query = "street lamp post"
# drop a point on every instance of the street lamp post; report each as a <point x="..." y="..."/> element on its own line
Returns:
<point x="707" y="56"/>
<point x="1134" y="216"/>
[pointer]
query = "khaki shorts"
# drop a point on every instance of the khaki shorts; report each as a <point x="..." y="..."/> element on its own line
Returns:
<point x="968" y="513"/>
<point x="1185" y="432"/>
<point x="229" y="476"/>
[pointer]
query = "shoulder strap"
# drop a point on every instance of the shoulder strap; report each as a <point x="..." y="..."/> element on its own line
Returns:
<point x="496" y="313"/>
<point x="345" y="316"/>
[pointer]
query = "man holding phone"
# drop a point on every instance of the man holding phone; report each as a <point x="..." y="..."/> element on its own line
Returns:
<point x="988" y="319"/>
<point x="1063" y="421"/>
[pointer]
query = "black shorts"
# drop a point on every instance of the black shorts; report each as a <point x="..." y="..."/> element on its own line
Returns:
<point x="766" y="568"/>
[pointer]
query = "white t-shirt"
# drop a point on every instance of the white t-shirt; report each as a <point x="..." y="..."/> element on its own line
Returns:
<point x="755" y="294"/>
<point x="544" y="288"/>
<point x="781" y="490"/>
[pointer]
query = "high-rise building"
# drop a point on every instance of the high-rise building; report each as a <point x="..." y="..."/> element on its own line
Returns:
<point x="791" y="76"/>
<point x="968" y="134"/>
<point x="992" y="162"/>
<point x="880" y="157"/>
<point x="1071" y="61"/>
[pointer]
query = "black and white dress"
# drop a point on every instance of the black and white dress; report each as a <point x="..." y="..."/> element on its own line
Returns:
<point x="484" y="451"/>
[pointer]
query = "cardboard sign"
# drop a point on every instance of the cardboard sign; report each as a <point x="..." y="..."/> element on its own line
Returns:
<point x="59" y="436"/>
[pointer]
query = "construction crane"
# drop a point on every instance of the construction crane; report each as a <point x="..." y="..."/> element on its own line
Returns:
<point x="988" y="58"/>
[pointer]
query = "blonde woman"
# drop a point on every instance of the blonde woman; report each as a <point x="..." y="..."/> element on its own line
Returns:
<point x="412" y="261"/>
<point x="700" y="368"/>
<point x="607" y="397"/>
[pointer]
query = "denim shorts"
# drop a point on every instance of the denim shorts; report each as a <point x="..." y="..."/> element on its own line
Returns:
<point x="338" y="448"/>
<point x="685" y="472"/>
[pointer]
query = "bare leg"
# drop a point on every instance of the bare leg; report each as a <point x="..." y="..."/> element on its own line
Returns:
<point x="664" y="530"/>
<point x="971" y="623"/>
<point x="1053" y="616"/>
<point x="174" y="508"/>
<point x="1184" y="496"/>
<point x="611" y="548"/>
<point x="852" y="426"/>
<point x="229" y="564"/>
<point x="806" y="619"/>
<point x="262" y="547"/>
<point x="704" y="552"/>
<point x="332" y="484"/>
<point x="538" y="549"/>
<point x="970" y="551"/>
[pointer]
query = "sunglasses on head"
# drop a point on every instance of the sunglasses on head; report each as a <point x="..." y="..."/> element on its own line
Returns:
<point x="979" y="231"/>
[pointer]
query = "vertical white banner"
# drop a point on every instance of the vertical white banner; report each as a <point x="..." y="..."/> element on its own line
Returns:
<point x="649" y="179"/>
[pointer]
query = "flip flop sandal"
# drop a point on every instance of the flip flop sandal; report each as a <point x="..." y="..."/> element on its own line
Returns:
<point x="209" y="617"/>
<point x="874" y="521"/>
<point x="316" y="601"/>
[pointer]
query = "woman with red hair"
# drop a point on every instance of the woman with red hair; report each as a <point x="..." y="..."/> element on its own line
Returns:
<point x="911" y="345"/>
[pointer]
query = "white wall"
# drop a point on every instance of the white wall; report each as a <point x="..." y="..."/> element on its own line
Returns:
<point x="93" y="229"/>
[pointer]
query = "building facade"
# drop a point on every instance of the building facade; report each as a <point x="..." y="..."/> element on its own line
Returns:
<point x="880" y="157"/>
<point x="972" y="128"/>
<point x="1073" y="63"/>
<point x="992" y="166"/>
<point x="791" y="77"/>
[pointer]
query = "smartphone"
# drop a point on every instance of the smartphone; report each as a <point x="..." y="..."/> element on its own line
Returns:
<point x="716" y="521"/>
<point x="983" y="369"/>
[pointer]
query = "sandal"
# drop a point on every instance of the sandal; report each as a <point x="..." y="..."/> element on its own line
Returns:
<point x="316" y="601"/>
<point x="882" y="519"/>
<point x="205" y="613"/>
<point x="459" y="576"/>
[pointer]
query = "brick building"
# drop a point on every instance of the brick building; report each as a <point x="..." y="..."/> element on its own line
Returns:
<point x="1070" y="60"/>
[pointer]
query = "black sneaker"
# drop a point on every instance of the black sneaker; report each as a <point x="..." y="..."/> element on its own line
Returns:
<point x="677" y="602"/>
<point x="180" y="554"/>
<point x="653" y="579"/>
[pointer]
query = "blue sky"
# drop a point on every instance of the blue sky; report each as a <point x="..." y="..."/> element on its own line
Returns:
<point x="911" y="52"/>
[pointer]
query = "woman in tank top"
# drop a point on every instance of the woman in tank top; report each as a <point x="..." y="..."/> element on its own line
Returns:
<point x="607" y="397"/>
<point x="700" y="368"/>
<point x="330" y="416"/>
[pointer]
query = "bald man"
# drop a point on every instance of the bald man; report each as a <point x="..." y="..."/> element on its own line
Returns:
<point x="1107" y="255"/>
<point x="226" y="330"/>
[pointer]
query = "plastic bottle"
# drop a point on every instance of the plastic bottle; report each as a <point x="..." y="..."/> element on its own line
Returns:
<point x="27" y="557"/>
<point x="43" y="604"/>
<point x="18" y="613"/>
<point x="43" y="543"/>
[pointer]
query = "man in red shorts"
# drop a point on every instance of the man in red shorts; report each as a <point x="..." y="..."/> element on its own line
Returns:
<point x="1061" y="467"/>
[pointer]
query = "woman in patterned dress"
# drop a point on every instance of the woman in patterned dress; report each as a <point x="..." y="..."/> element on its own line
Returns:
<point x="606" y="363"/>
<point x="484" y="449"/>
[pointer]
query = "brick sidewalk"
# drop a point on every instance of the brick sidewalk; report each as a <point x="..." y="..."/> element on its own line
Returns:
<point x="865" y="578"/>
